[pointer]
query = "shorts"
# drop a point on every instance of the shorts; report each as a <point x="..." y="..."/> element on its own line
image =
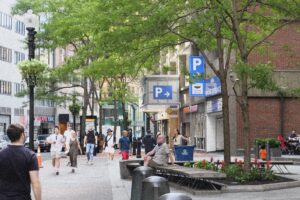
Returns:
<point x="55" y="154"/>
<point x="110" y="150"/>
<point x="125" y="155"/>
<point x="153" y="164"/>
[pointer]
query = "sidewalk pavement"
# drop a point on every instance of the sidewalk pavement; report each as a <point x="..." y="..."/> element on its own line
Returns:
<point x="102" y="181"/>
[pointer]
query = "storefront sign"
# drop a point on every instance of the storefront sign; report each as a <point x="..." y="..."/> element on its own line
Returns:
<point x="194" y="108"/>
<point x="186" y="109"/>
<point x="213" y="86"/>
<point x="197" y="73"/>
<point x="190" y="109"/>
<point x="214" y="105"/>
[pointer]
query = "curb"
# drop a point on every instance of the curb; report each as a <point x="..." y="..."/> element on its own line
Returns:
<point x="260" y="188"/>
<point x="239" y="188"/>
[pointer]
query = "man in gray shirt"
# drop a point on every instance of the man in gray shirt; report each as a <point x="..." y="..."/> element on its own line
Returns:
<point x="160" y="153"/>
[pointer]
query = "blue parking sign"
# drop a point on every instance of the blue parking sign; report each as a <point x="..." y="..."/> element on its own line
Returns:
<point x="162" y="92"/>
<point x="197" y="76"/>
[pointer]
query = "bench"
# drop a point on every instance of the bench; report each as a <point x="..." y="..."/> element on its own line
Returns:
<point x="127" y="167"/>
<point x="280" y="166"/>
<point x="192" y="177"/>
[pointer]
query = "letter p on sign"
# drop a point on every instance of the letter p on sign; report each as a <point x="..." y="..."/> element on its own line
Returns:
<point x="196" y="62"/>
<point x="158" y="91"/>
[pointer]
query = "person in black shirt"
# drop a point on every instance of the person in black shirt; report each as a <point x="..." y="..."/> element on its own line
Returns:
<point x="90" y="142"/>
<point x="149" y="142"/>
<point x="18" y="168"/>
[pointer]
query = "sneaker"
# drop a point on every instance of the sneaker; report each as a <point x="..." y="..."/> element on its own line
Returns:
<point x="87" y="162"/>
<point x="57" y="173"/>
<point x="73" y="170"/>
<point x="91" y="163"/>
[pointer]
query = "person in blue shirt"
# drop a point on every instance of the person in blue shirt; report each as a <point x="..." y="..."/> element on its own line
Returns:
<point x="124" y="144"/>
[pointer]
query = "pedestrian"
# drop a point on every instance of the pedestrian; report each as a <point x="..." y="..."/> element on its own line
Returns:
<point x="179" y="139"/>
<point x="149" y="142"/>
<point x="160" y="155"/>
<point x="68" y="134"/>
<point x="19" y="170"/>
<point x="90" y="142"/>
<point x="101" y="142"/>
<point x="109" y="144"/>
<point x="263" y="153"/>
<point x="124" y="145"/>
<point x="74" y="149"/>
<point x="57" y="141"/>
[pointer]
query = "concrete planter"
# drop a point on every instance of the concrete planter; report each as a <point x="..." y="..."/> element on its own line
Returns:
<point x="275" y="152"/>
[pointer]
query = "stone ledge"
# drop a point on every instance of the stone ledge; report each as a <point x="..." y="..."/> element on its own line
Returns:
<point x="260" y="188"/>
<point x="239" y="188"/>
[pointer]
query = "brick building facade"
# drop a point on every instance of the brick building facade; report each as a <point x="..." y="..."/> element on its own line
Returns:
<point x="272" y="114"/>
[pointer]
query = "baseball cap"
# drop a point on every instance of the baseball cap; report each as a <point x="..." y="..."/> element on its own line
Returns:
<point x="109" y="130"/>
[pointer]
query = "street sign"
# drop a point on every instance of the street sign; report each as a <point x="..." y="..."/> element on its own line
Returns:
<point x="162" y="92"/>
<point x="212" y="86"/>
<point x="197" y="76"/>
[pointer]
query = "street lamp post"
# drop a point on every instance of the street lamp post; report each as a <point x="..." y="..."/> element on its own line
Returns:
<point x="31" y="79"/>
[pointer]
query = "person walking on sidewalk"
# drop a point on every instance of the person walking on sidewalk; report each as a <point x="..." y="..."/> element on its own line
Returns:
<point x="109" y="144"/>
<point x="74" y="149"/>
<point x="19" y="168"/>
<point x="90" y="141"/>
<point x="124" y="145"/>
<point x="57" y="141"/>
<point x="68" y="134"/>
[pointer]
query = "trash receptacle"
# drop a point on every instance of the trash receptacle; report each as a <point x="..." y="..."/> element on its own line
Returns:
<point x="154" y="187"/>
<point x="184" y="153"/>
<point x="174" y="196"/>
<point x="139" y="174"/>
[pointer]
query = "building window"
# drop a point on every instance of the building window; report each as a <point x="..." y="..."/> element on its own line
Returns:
<point x="20" y="27"/>
<point x="5" y="54"/>
<point x="5" y="21"/>
<point x="19" y="88"/>
<point x="19" y="57"/>
<point x="5" y="87"/>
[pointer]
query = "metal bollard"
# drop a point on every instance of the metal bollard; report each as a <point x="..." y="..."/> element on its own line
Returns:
<point x="139" y="148"/>
<point x="139" y="174"/>
<point x="268" y="151"/>
<point x="134" y="144"/>
<point x="154" y="187"/>
<point x="174" y="196"/>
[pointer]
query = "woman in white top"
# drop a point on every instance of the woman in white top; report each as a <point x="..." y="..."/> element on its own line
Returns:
<point x="109" y="144"/>
<point x="178" y="138"/>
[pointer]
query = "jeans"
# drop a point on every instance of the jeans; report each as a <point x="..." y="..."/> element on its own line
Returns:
<point x="90" y="151"/>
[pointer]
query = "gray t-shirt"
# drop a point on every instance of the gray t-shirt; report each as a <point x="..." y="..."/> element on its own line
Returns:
<point x="161" y="154"/>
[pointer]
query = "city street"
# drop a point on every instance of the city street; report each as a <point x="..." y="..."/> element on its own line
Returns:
<point x="102" y="181"/>
<point x="214" y="81"/>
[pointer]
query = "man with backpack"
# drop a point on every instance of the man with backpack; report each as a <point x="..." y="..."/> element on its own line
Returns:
<point x="90" y="142"/>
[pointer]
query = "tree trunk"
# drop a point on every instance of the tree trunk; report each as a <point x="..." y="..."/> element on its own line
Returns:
<point x="125" y="116"/>
<point x="84" y="109"/>
<point x="115" y="118"/>
<point x="246" y="124"/>
<point x="100" y="112"/>
<point x="224" y="91"/>
<point x="74" y="122"/>
<point x="226" y="124"/>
